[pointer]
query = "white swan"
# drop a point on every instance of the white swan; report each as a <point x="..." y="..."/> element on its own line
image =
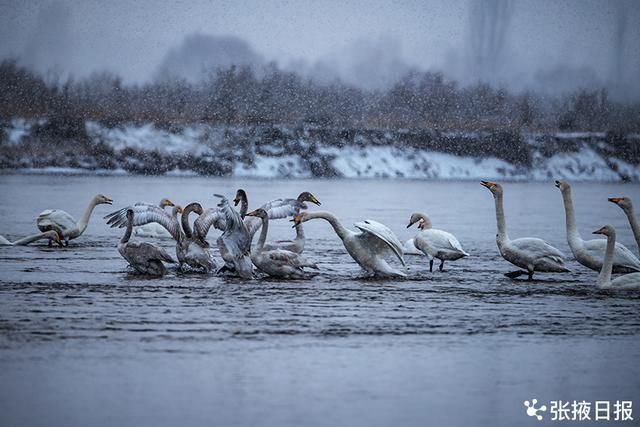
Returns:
<point x="190" y="249"/>
<point x="367" y="246"/>
<point x="61" y="219"/>
<point x="296" y="245"/>
<point x="435" y="243"/>
<point x="627" y="207"/>
<point x="51" y="235"/>
<point x="530" y="253"/>
<point x="590" y="253"/>
<point x="154" y="230"/>
<point x="627" y="281"/>
<point x="144" y="257"/>
<point x="277" y="262"/>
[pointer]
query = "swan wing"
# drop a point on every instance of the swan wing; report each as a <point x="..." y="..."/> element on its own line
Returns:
<point x="55" y="217"/>
<point x="236" y="238"/>
<point x="375" y="233"/>
<point x="141" y="252"/>
<point x="538" y="248"/>
<point x="622" y="256"/>
<point x="442" y="240"/>
<point x="143" y="214"/>
<point x="210" y="217"/>
<point x="276" y="209"/>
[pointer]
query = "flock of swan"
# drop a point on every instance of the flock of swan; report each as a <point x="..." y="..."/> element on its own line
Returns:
<point x="368" y="245"/>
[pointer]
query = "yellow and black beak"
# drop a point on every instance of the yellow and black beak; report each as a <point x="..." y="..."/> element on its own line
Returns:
<point x="488" y="184"/>
<point x="315" y="200"/>
<point x="615" y="200"/>
<point x="557" y="183"/>
<point x="296" y="220"/>
<point x="58" y="238"/>
<point x="180" y="210"/>
<point x="108" y="200"/>
<point x="170" y="203"/>
<point x="599" y="231"/>
<point x="252" y="213"/>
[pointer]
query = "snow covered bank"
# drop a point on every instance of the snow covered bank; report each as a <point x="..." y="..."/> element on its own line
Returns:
<point x="305" y="152"/>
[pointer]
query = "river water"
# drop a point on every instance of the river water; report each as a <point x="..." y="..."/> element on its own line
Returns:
<point x="84" y="342"/>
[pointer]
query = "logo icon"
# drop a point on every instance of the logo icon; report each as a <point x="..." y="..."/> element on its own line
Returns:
<point x="532" y="411"/>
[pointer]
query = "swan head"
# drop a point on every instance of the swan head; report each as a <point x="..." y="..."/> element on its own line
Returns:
<point x="563" y="185"/>
<point x="54" y="234"/>
<point x="129" y="215"/>
<point x="494" y="187"/>
<point x="623" y="202"/>
<point x="298" y="219"/>
<point x="240" y="196"/>
<point x="101" y="199"/>
<point x="607" y="230"/>
<point x="166" y="202"/>
<point x="422" y="220"/>
<point x="177" y="209"/>
<point x="305" y="196"/>
<point x="260" y="213"/>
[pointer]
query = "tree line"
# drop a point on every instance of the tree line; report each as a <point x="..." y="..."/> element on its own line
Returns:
<point x="244" y="96"/>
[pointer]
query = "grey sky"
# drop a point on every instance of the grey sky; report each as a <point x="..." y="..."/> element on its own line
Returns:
<point x="132" y="38"/>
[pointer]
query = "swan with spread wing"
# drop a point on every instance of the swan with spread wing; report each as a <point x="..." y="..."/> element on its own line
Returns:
<point x="190" y="249"/>
<point x="367" y="246"/>
<point x="153" y="229"/>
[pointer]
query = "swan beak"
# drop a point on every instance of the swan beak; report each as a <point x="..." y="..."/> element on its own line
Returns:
<point x="236" y="201"/>
<point x="296" y="220"/>
<point x="58" y="239"/>
<point x="599" y="231"/>
<point x="615" y="200"/>
<point x="252" y="213"/>
<point x="557" y="183"/>
<point x="410" y="224"/>
<point x="180" y="210"/>
<point x="488" y="184"/>
<point x="315" y="200"/>
<point x="170" y="203"/>
<point x="108" y="201"/>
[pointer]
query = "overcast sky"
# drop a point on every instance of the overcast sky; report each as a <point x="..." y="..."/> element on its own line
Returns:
<point x="131" y="38"/>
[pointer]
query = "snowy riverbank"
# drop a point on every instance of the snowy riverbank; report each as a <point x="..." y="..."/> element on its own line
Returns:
<point x="305" y="152"/>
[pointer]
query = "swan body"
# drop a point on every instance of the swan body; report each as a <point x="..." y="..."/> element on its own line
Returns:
<point x="146" y="258"/>
<point x="366" y="246"/>
<point x="51" y="235"/>
<point x="529" y="253"/>
<point x="627" y="281"/>
<point x="153" y="229"/>
<point x="50" y="218"/>
<point x="189" y="249"/>
<point x="277" y="262"/>
<point x="435" y="243"/>
<point x="627" y="207"/>
<point x="590" y="253"/>
<point x="409" y="248"/>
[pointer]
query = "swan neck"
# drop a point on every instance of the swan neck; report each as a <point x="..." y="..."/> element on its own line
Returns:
<point x="570" y="216"/>
<point x="84" y="221"/>
<point x="127" y="232"/>
<point x="605" y="274"/>
<point x="184" y="219"/>
<point x="500" y="220"/>
<point x="635" y="227"/>
<point x="340" y="230"/>
<point x="299" y="232"/>
<point x="263" y="233"/>
<point x="244" y="206"/>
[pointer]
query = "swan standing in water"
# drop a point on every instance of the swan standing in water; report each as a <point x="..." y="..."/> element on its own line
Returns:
<point x="154" y="230"/>
<point x="368" y="246"/>
<point x="277" y="262"/>
<point x="51" y="235"/>
<point x="627" y="207"/>
<point x="435" y="243"/>
<point x="530" y="253"/>
<point x="144" y="257"/>
<point x="61" y="219"/>
<point x="190" y="249"/>
<point x="590" y="253"/>
<point x="627" y="281"/>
